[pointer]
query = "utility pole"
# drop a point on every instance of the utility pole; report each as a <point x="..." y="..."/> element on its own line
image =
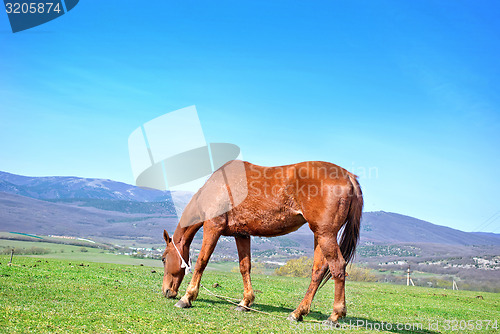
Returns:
<point x="455" y="286"/>
<point x="11" y="255"/>
<point x="408" y="278"/>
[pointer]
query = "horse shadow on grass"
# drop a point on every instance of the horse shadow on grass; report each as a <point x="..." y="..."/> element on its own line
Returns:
<point x="350" y="323"/>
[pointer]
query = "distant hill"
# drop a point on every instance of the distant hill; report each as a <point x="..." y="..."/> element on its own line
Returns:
<point x="387" y="227"/>
<point x="487" y="234"/>
<point x="25" y="214"/>
<point x="68" y="187"/>
<point x="103" y="208"/>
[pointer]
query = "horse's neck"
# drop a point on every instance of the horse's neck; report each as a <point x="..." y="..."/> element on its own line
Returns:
<point x="183" y="236"/>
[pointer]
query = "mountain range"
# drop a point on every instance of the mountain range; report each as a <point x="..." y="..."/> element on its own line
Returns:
<point x="106" y="209"/>
<point x="68" y="187"/>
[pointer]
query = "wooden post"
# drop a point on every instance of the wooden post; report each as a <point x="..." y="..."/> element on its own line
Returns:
<point x="408" y="278"/>
<point x="11" y="255"/>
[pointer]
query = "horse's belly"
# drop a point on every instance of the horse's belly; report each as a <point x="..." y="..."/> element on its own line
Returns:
<point x="266" y="226"/>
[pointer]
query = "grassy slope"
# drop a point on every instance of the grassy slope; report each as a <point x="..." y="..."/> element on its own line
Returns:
<point x="97" y="255"/>
<point x="74" y="253"/>
<point x="50" y="295"/>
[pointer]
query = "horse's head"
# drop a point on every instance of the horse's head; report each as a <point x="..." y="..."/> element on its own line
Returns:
<point x="172" y="271"/>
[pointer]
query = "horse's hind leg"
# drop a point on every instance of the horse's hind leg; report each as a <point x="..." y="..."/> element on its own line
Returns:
<point x="318" y="271"/>
<point x="243" y="245"/>
<point x="325" y="226"/>
<point x="326" y="234"/>
<point x="211" y="234"/>
<point x="336" y="263"/>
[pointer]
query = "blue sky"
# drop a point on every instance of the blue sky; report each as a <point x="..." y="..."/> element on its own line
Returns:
<point x="406" y="89"/>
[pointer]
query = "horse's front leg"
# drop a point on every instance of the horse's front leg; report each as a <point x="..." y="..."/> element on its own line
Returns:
<point x="210" y="237"/>
<point x="243" y="245"/>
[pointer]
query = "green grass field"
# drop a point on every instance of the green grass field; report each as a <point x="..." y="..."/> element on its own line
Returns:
<point x="48" y="295"/>
<point x="62" y="251"/>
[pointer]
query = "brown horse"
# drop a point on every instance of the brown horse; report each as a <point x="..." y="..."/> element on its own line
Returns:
<point x="243" y="200"/>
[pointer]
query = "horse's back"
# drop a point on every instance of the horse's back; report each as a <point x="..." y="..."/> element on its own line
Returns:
<point x="279" y="198"/>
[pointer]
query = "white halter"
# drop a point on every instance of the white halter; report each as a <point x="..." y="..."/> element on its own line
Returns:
<point x="186" y="266"/>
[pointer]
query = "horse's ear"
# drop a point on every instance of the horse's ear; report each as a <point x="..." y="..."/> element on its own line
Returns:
<point x="165" y="236"/>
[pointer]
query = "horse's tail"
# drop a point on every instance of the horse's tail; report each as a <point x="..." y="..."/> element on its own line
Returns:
<point x="350" y="235"/>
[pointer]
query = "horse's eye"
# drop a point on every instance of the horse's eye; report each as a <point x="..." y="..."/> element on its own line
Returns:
<point x="163" y="260"/>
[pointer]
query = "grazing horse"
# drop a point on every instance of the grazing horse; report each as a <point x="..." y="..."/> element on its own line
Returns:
<point x="242" y="200"/>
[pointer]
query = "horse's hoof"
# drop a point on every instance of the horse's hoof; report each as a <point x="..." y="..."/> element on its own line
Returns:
<point x="182" y="304"/>
<point x="330" y="323"/>
<point x="292" y="317"/>
<point x="240" y="308"/>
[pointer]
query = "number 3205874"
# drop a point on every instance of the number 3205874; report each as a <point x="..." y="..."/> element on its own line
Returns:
<point x="32" y="8"/>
